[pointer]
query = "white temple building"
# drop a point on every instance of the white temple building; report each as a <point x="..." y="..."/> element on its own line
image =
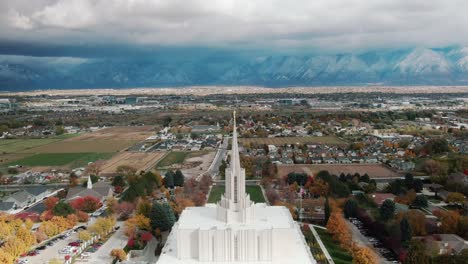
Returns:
<point x="235" y="230"/>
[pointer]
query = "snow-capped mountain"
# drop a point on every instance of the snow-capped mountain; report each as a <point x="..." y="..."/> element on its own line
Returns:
<point x="418" y="66"/>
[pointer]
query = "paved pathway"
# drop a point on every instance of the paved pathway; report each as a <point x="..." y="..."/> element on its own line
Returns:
<point x="117" y="240"/>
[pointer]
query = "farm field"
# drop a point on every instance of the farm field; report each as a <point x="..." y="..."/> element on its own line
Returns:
<point x="331" y="140"/>
<point x="23" y="145"/>
<point x="111" y="139"/>
<point x="255" y="192"/>
<point x="374" y="171"/>
<point x="61" y="159"/>
<point x="139" y="160"/>
<point x="338" y="254"/>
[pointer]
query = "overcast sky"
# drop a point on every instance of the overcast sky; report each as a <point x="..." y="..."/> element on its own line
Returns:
<point x="328" y="25"/>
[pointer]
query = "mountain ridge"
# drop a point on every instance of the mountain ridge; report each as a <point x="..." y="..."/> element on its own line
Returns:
<point x="417" y="66"/>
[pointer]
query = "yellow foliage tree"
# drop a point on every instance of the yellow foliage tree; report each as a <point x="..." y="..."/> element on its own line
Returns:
<point x="136" y="222"/>
<point x="26" y="236"/>
<point x="84" y="235"/>
<point x="14" y="246"/>
<point x="6" y="230"/>
<point x="119" y="254"/>
<point x="5" y="257"/>
<point x="364" y="255"/>
<point x="102" y="226"/>
<point x="55" y="261"/>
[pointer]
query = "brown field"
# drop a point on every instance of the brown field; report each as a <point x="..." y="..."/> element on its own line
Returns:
<point x="331" y="140"/>
<point x="111" y="139"/>
<point x="139" y="160"/>
<point x="375" y="171"/>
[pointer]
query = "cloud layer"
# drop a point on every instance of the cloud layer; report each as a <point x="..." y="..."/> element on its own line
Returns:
<point x="319" y="24"/>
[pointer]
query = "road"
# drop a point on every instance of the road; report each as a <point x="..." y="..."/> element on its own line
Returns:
<point x="213" y="171"/>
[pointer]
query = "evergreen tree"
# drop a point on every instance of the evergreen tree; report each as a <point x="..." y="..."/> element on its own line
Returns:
<point x="409" y="180"/>
<point x="179" y="178"/>
<point x="350" y="208"/>
<point x="222" y="169"/>
<point x="420" y="201"/>
<point x="327" y="210"/>
<point x="406" y="231"/>
<point x="118" y="181"/>
<point x="365" y="178"/>
<point x="63" y="209"/>
<point x="169" y="179"/>
<point x="387" y="210"/>
<point x="161" y="216"/>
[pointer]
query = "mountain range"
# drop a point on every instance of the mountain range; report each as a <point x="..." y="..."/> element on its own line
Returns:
<point x="416" y="66"/>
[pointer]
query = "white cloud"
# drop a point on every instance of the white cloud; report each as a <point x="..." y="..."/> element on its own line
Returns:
<point x="326" y="24"/>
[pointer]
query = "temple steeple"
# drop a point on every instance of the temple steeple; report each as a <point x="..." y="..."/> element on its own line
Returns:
<point x="235" y="204"/>
<point x="90" y="183"/>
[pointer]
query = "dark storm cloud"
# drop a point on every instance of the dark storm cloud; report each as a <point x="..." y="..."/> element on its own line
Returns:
<point x="83" y="25"/>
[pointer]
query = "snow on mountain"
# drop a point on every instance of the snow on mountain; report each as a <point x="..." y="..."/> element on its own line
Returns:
<point x="424" y="61"/>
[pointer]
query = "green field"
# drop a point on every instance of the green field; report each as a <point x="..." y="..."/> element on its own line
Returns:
<point x="23" y="145"/>
<point x="255" y="192"/>
<point x="173" y="157"/>
<point x="338" y="254"/>
<point x="61" y="159"/>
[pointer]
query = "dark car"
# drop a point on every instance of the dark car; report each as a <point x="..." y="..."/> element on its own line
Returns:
<point x="33" y="253"/>
<point x="41" y="247"/>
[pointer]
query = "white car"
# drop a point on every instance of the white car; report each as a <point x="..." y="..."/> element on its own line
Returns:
<point x="23" y="261"/>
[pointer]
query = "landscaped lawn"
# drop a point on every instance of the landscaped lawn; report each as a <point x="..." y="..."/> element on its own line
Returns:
<point x="173" y="157"/>
<point x="339" y="255"/>
<point x="255" y="192"/>
<point x="61" y="159"/>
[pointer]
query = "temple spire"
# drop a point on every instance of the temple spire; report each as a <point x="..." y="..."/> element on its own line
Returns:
<point x="235" y="160"/>
<point x="90" y="183"/>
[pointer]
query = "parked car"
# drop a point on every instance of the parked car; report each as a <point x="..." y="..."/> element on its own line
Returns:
<point x="41" y="247"/>
<point x="33" y="253"/>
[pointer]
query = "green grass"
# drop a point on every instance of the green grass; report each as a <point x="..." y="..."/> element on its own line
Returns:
<point x="255" y="192"/>
<point x="173" y="157"/>
<point x="61" y="159"/>
<point x="22" y="145"/>
<point x="338" y="254"/>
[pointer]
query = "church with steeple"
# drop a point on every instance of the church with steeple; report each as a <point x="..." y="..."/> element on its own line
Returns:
<point x="236" y="230"/>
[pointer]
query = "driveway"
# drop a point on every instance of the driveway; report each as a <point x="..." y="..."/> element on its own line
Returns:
<point x="117" y="240"/>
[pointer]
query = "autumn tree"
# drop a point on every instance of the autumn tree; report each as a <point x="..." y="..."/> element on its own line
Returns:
<point x="456" y="198"/>
<point x="339" y="230"/>
<point x="50" y="202"/>
<point x="94" y="168"/>
<point x="119" y="254"/>
<point x="364" y="255"/>
<point x="136" y="223"/>
<point x="84" y="235"/>
<point x="449" y="221"/>
<point x="319" y="188"/>
<point x="5" y="257"/>
<point x="86" y="204"/>
<point x="102" y="225"/>
<point x="124" y="209"/>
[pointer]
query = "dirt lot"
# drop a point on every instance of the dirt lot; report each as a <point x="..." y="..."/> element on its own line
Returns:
<point x="139" y="160"/>
<point x="279" y="141"/>
<point x="374" y="171"/>
<point x="193" y="166"/>
<point x="111" y="139"/>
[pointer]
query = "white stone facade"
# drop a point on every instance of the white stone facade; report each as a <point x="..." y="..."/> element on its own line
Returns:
<point x="236" y="230"/>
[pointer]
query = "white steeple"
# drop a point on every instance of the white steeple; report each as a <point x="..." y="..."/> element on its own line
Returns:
<point x="235" y="204"/>
<point x="90" y="183"/>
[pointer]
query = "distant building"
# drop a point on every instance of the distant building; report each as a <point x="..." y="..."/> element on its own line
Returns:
<point x="99" y="190"/>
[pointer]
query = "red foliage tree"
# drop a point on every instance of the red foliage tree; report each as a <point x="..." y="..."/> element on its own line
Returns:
<point x="124" y="209"/>
<point x="51" y="202"/>
<point x="82" y="216"/>
<point x="118" y="189"/>
<point x="199" y="198"/>
<point x="146" y="236"/>
<point x="86" y="204"/>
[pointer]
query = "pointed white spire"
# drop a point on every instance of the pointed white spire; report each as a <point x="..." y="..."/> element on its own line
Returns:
<point x="90" y="183"/>
<point x="235" y="160"/>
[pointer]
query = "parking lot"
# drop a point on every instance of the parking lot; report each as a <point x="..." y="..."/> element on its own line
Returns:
<point x="365" y="239"/>
<point x="51" y="250"/>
